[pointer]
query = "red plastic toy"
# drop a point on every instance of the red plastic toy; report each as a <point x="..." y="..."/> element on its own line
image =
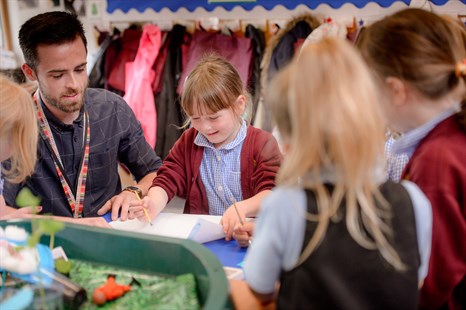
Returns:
<point x="109" y="291"/>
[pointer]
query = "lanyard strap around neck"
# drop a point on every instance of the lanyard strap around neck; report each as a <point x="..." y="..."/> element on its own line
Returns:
<point x="76" y="203"/>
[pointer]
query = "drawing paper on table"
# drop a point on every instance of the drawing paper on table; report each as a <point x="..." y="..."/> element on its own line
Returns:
<point x="171" y="225"/>
<point x="205" y="231"/>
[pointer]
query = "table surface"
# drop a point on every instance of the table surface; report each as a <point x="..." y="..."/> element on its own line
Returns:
<point x="175" y="225"/>
<point x="229" y="253"/>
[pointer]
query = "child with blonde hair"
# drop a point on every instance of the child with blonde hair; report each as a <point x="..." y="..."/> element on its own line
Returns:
<point x="334" y="232"/>
<point x="221" y="161"/>
<point x="420" y="60"/>
<point x="18" y="137"/>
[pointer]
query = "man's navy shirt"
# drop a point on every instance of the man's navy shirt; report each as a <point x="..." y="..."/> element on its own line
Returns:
<point x="116" y="136"/>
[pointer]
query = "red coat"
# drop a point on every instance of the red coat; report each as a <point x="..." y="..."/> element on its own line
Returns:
<point x="180" y="172"/>
<point x="438" y="167"/>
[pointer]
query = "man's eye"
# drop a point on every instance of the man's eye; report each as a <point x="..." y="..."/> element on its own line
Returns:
<point x="57" y="76"/>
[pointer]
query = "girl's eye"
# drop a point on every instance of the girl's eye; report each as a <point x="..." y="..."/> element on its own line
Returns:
<point x="195" y="118"/>
<point x="214" y="117"/>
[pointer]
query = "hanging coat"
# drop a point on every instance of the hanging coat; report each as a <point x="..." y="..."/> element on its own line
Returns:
<point x="138" y="81"/>
<point x="258" y="43"/>
<point x="237" y="50"/>
<point x="122" y="51"/>
<point x="279" y="53"/>
<point x="169" y="115"/>
<point x="98" y="77"/>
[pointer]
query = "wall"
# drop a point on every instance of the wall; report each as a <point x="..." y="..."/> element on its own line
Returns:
<point x="19" y="13"/>
<point x="96" y="15"/>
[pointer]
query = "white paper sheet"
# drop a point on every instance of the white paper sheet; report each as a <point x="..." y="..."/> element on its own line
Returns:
<point x="200" y="228"/>
<point x="205" y="231"/>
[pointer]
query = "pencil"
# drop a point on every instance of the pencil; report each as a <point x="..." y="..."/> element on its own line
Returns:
<point x="147" y="215"/>
<point x="145" y="211"/>
<point x="239" y="216"/>
<point x="237" y="212"/>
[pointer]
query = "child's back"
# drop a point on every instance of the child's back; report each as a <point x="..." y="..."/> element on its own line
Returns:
<point x="425" y="82"/>
<point x="334" y="233"/>
<point x="341" y="274"/>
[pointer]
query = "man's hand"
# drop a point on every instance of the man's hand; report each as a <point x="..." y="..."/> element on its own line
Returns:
<point x="89" y="221"/>
<point x="119" y="204"/>
<point x="24" y="212"/>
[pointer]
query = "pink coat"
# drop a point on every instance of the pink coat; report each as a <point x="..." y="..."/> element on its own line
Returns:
<point x="139" y="79"/>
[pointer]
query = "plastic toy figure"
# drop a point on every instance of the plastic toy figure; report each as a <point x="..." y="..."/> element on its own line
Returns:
<point x="109" y="291"/>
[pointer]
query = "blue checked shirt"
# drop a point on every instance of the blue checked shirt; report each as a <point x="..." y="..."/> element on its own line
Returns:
<point x="221" y="171"/>
<point x="399" y="151"/>
<point x="395" y="162"/>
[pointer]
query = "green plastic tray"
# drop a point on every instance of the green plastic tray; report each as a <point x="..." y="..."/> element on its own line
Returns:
<point x="145" y="253"/>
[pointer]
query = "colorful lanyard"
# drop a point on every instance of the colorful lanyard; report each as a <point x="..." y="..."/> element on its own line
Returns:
<point x="47" y="136"/>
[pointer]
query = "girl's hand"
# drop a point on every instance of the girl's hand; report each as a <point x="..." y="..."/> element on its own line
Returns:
<point x="230" y="219"/>
<point x="136" y="209"/>
<point x="243" y="233"/>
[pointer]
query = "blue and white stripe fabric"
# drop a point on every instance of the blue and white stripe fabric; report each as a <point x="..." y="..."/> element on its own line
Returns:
<point x="221" y="171"/>
<point x="395" y="162"/>
<point x="400" y="150"/>
<point x="409" y="141"/>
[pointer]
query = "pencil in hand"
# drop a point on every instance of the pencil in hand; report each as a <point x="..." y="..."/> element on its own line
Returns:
<point x="237" y="212"/>
<point x="147" y="215"/>
<point x="239" y="216"/>
<point x="145" y="211"/>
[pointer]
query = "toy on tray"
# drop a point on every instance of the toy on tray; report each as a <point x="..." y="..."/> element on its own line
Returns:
<point x="110" y="291"/>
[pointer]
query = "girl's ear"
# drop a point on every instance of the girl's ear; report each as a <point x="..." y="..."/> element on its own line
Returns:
<point x="397" y="89"/>
<point x="28" y="72"/>
<point x="241" y="104"/>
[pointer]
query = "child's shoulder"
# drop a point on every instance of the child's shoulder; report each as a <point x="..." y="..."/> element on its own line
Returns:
<point x="446" y="136"/>
<point x="262" y="142"/>
<point x="258" y="134"/>
<point x="284" y="199"/>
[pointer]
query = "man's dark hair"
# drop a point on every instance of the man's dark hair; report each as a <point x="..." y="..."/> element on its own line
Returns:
<point x="48" y="29"/>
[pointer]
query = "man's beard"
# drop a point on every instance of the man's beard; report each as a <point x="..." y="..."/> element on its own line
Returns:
<point x="68" y="107"/>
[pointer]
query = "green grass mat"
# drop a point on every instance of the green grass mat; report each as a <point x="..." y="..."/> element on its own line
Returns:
<point x="155" y="292"/>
